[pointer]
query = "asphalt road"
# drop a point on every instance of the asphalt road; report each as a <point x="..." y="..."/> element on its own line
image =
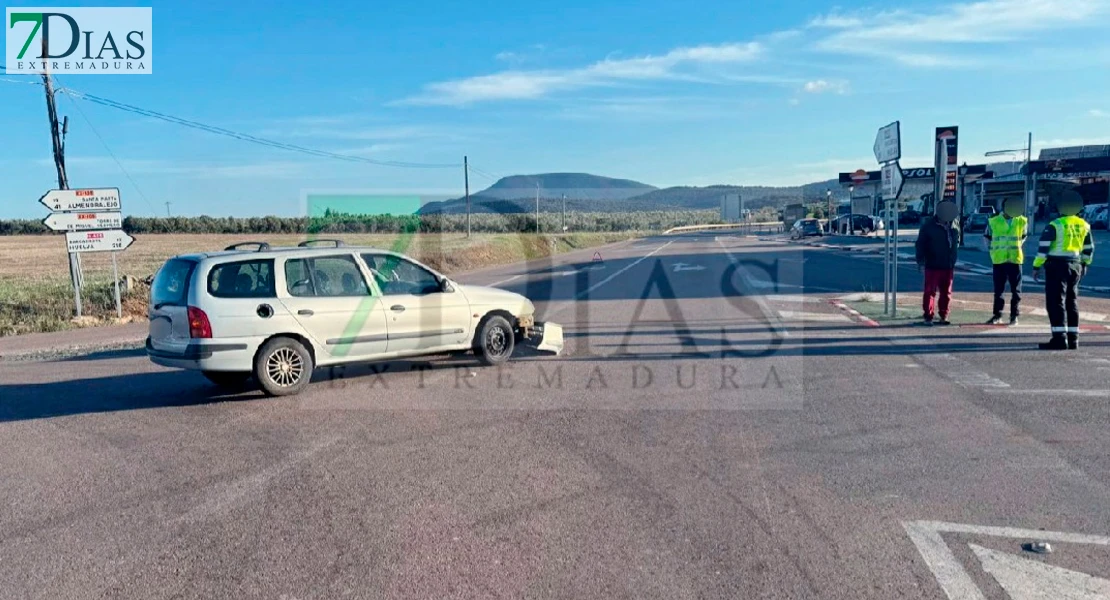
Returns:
<point x="715" y="429"/>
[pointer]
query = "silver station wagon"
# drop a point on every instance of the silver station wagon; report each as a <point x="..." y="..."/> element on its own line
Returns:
<point x="275" y="314"/>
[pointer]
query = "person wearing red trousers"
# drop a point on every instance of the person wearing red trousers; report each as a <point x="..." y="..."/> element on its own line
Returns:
<point x="936" y="248"/>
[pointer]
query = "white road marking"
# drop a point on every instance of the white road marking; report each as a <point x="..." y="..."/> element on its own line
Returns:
<point x="1073" y="393"/>
<point x="552" y="312"/>
<point x="949" y="571"/>
<point x="1025" y="579"/>
<point x="776" y="323"/>
<point x="791" y="315"/>
<point x="685" y="267"/>
<point x="503" y="281"/>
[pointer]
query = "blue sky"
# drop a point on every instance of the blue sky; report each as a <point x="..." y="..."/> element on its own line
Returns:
<point x="668" y="93"/>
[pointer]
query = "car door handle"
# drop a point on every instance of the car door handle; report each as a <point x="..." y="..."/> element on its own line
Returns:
<point x="397" y="308"/>
<point x="305" y="312"/>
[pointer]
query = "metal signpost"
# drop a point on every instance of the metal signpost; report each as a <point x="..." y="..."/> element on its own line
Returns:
<point x="888" y="150"/>
<point x="92" y="221"/>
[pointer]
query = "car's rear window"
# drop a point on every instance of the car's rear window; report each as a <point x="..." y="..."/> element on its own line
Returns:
<point x="243" y="279"/>
<point x="171" y="284"/>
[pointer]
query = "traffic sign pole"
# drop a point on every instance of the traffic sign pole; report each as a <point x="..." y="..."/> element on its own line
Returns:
<point x="115" y="278"/>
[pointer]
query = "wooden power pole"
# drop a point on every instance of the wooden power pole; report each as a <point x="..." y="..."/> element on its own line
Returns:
<point x="57" y="137"/>
<point x="466" y="183"/>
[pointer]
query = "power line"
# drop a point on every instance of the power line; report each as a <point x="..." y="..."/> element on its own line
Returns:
<point x="250" y="138"/>
<point x="110" y="153"/>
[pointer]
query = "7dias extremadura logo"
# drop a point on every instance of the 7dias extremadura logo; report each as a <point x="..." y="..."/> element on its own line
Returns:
<point x="112" y="41"/>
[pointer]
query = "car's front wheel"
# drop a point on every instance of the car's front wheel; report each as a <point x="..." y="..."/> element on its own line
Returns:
<point x="496" y="341"/>
<point x="229" y="380"/>
<point x="282" y="367"/>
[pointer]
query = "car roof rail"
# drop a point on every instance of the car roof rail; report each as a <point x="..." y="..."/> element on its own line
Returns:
<point x="260" y="246"/>
<point x="309" y="243"/>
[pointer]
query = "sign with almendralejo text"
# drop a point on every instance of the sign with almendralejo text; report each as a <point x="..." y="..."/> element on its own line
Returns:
<point x="89" y="41"/>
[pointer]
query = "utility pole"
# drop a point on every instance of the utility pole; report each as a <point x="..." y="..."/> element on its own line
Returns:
<point x="57" y="138"/>
<point x="168" y="215"/>
<point x="537" y="207"/>
<point x="466" y="184"/>
<point x="564" y="212"/>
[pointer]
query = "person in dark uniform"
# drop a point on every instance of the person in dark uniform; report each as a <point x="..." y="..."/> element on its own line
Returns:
<point x="1066" y="251"/>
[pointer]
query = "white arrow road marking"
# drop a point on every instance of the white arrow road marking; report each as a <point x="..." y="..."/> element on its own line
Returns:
<point x="958" y="585"/>
<point x="685" y="267"/>
<point x="1025" y="579"/>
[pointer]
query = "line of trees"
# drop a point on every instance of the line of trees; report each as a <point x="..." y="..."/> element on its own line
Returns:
<point x="434" y="223"/>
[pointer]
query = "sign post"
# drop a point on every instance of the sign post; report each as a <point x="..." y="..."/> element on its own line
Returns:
<point x="92" y="222"/>
<point x="888" y="151"/>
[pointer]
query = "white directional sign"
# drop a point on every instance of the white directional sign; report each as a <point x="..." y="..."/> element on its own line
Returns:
<point x="97" y="241"/>
<point x="1020" y="576"/>
<point x="105" y="199"/>
<point x="892" y="181"/>
<point x="888" y="143"/>
<point x="78" y="221"/>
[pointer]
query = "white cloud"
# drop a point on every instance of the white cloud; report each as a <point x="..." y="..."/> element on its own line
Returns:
<point x="835" y="21"/>
<point x="1098" y="113"/>
<point x="506" y="56"/>
<point x="912" y="38"/>
<point x="679" y="63"/>
<point x="821" y="86"/>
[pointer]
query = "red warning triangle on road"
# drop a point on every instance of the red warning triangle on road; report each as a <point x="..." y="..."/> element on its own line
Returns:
<point x="597" y="257"/>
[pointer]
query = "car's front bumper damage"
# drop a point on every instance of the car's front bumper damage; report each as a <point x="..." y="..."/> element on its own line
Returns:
<point x="543" y="337"/>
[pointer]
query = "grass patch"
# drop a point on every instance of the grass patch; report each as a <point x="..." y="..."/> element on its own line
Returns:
<point x="909" y="311"/>
<point x="36" y="296"/>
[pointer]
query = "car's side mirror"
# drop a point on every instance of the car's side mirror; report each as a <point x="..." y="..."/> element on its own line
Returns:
<point x="445" y="286"/>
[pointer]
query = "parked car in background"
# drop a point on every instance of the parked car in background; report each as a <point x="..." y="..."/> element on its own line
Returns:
<point x="1096" y="215"/>
<point x="977" y="223"/>
<point x="846" y="224"/>
<point x="806" y="228"/>
<point x="909" y="217"/>
<point x="990" y="211"/>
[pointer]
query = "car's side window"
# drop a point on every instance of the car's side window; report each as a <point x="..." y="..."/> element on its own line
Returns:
<point x="397" y="276"/>
<point x="324" y="276"/>
<point x="243" y="279"/>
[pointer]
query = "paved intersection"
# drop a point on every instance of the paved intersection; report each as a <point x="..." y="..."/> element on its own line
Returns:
<point x="716" y="428"/>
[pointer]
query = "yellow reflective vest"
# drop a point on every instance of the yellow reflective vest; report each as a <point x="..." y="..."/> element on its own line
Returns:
<point x="1006" y="239"/>
<point x="1070" y="239"/>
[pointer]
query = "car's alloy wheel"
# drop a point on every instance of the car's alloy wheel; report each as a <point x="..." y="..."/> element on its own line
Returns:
<point x="283" y="366"/>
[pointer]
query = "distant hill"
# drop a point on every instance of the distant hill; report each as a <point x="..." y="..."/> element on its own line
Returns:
<point x="593" y="193"/>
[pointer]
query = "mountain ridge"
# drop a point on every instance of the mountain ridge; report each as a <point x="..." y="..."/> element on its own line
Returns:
<point x="586" y="192"/>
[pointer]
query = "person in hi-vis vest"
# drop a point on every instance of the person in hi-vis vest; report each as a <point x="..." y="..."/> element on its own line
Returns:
<point x="1066" y="250"/>
<point x="1005" y="236"/>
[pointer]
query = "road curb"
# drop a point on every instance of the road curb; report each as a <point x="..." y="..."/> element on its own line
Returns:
<point x="854" y="314"/>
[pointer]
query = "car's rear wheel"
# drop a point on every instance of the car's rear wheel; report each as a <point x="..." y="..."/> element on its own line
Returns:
<point x="283" y="366"/>
<point x="496" y="341"/>
<point x="230" y="380"/>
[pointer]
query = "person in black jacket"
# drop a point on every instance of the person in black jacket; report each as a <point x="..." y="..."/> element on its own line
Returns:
<point x="937" y="244"/>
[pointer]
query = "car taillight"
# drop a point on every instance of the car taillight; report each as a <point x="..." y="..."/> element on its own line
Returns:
<point x="199" y="327"/>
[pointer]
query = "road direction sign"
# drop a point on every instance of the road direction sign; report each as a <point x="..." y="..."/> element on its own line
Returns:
<point x="104" y="199"/>
<point x="81" y="221"/>
<point x="97" y="241"/>
<point x="892" y="181"/>
<point x="888" y="143"/>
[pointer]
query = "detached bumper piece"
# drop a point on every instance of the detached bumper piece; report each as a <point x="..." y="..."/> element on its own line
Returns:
<point x="545" y="337"/>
